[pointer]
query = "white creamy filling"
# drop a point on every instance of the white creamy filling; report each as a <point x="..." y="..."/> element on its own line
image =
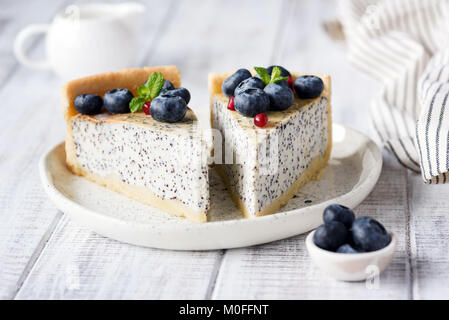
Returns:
<point x="300" y="140"/>
<point x="241" y="173"/>
<point x="303" y="137"/>
<point x="172" y="166"/>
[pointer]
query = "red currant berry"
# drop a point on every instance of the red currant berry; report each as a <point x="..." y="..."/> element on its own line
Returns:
<point x="146" y="108"/>
<point x="290" y="83"/>
<point x="261" y="120"/>
<point x="231" y="104"/>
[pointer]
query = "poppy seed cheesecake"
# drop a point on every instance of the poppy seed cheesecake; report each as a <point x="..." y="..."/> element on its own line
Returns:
<point x="264" y="163"/>
<point x="158" y="163"/>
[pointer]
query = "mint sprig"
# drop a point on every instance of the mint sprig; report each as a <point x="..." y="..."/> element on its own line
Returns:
<point x="263" y="74"/>
<point x="266" y="78"/>
<point x="147" y="92"/>
<point x="136" y="104"/>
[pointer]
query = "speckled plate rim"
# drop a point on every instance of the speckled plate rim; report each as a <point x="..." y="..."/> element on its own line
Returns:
<point x="129" y="232"/>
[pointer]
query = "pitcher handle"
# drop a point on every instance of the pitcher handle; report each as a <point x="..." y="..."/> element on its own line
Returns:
<point x="19" y="46"/>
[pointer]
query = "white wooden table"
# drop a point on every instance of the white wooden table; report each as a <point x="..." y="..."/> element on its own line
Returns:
<point x="45" y="255"/>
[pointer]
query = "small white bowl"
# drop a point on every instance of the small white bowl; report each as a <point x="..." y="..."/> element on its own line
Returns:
<point x="351" y="266"/>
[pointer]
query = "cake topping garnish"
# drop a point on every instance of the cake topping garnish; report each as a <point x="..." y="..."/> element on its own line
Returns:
<point x="269" y="90"/>
<point x="148" y="91"/>
<point x="252" y="82"/>
<point x="290" y="83"/>
<point x="146" y="108"/>
<point x="160" y="99"/>
<point x="281" y="97"/>
<point x="233" y="81"/>
<point x="167" y="85"/>
<point x="261" y="120"/>
<point x="275" y="74"/>
<point x="284" y="72"/>
<point x="231" y="104"/>
<point x="168" y="108"/>
<point x="308" y="87"/>
<point x="88" y="104"/>
<point x="180" y="92"/>
<point x="251" y="102"/>
<point x="117" y="100"/>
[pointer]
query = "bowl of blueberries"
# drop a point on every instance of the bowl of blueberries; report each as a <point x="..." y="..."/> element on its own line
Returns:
<point x="350" y="249"/>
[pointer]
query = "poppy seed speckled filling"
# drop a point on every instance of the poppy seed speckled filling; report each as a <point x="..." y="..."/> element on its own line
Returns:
<point x="262" y="172"/>
<point x="302" y="138"/>
<point x="171" y="165"/>
<point x="242" y="171"/>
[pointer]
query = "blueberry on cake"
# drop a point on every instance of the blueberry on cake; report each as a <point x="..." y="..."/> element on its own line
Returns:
<point x="276" y="132"/>
<point x="131" y="131"/>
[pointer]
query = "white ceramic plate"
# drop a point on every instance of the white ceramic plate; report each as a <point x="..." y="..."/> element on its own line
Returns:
<point x="352" y="172"/>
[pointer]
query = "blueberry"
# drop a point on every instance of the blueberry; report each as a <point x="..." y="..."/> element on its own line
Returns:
<point x="117" y="100"/>
<point x="337" y="212"/>
<point x="168" y="108"/>
<point x="283" y="83"/>
<point x="369" y="235"/>
<point x="308" y="87"/>
<point x="180" y="92"/>
<point x="88" y="104"/>
<point x="167" y="86"/>
<point x="346" y="248"/>
<point x="250" y="83"/>
<point x="280" y="97"/>
<point x="233" y="81"/>
<point x="251" y="102"/>
<point x="330" y="236"/>
<point x="284" y="72"/>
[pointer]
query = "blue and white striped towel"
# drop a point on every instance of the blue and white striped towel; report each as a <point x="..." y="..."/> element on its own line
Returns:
<point x="405" y="44"/>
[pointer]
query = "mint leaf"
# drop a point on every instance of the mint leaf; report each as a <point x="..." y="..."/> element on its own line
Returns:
<point x="278" y="79"/>
<point x="136" y="104"/>
<point x="275" y="73"/>
<point x="263" y="74"/>
<point x="143" y="91"/>
<point x="151" y="80"/>
<point x="147" y="92"/>
<point x="154" y="84"/>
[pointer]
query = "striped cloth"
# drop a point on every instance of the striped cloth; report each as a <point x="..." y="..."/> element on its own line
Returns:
<point x="405" y="45"/>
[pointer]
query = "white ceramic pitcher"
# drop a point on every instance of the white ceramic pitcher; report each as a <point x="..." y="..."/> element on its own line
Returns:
<point x="87" y="39"/>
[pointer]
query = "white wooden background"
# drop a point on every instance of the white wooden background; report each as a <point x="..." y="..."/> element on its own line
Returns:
<point x="44" y="255"/>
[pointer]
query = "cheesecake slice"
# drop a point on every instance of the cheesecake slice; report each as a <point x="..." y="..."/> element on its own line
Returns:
<point x="160" y="164"/>
<point x="263" y="167"/>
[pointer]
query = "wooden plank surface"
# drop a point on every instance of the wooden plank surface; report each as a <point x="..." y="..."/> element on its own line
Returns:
<point x="27" y="218"/>
<point x="45" y="255"/>
<point x="283" y="270"/>
<point x="79" y="264"/>
<point x="429" y="207"/>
